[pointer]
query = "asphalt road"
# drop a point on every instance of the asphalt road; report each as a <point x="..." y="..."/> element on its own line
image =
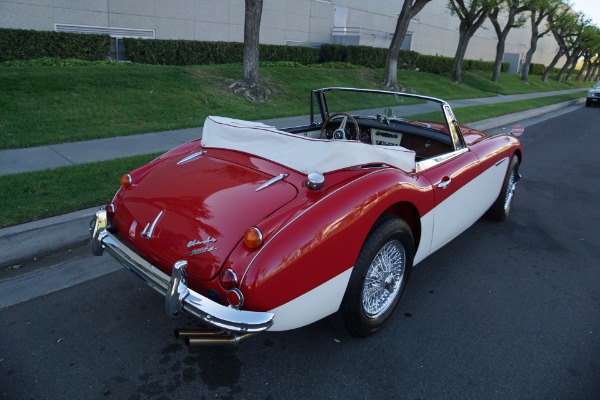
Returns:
<point x="505" y="311"/>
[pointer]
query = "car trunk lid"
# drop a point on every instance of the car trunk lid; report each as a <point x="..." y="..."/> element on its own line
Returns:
<point x="196" y="210"/>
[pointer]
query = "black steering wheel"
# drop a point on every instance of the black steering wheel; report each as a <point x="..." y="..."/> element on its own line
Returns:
<point x="340" y="131"/>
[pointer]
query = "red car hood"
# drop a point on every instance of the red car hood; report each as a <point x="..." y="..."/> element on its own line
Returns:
<point x="197" y="210"/>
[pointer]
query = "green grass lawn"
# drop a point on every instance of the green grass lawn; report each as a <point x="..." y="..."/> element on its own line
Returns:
<point x="47" y="105"/>
<point x="34" y="195"/>
<point x="44" y="105"/>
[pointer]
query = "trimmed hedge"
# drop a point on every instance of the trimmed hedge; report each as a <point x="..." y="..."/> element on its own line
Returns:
<point x="182" y="52"/>
<point x="193" y="52"/>
<point x="18" y="44"/>
<point x="366" y="56"/>
<point x="440" y="65"/>
<point x="434" y="64"/>
<point x="536" y="69"/>
<point x="300" y="54"/>
<point x="333" y="53"/>
<point x="21" y="44"/>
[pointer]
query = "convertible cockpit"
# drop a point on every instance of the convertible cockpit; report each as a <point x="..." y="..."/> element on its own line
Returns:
<point x="422" y="124"/>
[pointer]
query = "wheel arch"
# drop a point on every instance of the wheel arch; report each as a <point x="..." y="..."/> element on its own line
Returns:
<point x="409" y="213"/>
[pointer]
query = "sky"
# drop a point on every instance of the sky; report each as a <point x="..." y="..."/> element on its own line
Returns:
<point x="591" y="8"/>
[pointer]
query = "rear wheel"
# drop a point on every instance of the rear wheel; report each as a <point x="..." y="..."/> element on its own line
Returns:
<point x="500" y="210"/>
<point x="379" y="277"/>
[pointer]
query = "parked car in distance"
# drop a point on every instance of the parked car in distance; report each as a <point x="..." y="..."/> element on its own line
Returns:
<point x="593" y="95"/>
<point x="253" y="228"/>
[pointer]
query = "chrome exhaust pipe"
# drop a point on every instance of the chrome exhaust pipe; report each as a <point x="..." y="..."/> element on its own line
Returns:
<point x="210" y="337"/>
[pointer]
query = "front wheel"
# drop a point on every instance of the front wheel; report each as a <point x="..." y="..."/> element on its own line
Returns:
<point x="379" y="278"/>
<point x="500" y="210"/>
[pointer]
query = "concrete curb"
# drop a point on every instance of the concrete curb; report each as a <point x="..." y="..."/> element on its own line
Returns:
<point x="20" y="242"/>
<point x="492" y="123"/>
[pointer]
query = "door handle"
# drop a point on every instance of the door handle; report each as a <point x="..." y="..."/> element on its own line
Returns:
<point x="444" y="183"/>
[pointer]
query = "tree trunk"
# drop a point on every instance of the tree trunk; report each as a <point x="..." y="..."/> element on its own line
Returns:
<point x="390" y="77"/>
<point x="409" y="10"/>
<point x="251" y="41"/>
<point x="499" y="56"/>
<point x="528" y="58"/>
<point x="463" y="43"/>
<point x="585" y="66"/>
<point x="548" y="70"/>
<point x="531" y="51"/>
<point x="590" y="72"/>
<point x="564" y="68"/>
<point x="571" y="70"/>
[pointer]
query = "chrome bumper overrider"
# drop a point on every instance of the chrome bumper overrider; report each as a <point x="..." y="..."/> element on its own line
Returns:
<point x="179" y="297"/>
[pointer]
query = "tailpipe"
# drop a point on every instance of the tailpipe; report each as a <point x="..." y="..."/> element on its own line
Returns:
<point x="210" y="337"/>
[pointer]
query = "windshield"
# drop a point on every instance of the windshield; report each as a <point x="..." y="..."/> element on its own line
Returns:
<point x="385" y="107"/>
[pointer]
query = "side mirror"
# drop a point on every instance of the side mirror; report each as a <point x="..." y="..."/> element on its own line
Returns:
<point x="517" y="130"/>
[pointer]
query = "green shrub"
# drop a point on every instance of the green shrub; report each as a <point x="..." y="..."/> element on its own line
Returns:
<point x="434" y="64"/>
<point x="333" y="53"/>
<point x="20" y="44"/>
<point x="536" y="69"/>
<point x="336" y="65"/>
<point x="287" y="64"/>
<point x="441" y="65"/>
<point x="407" y="59"/>
<point x="478" y="65"/>
<point x="182" y="52"/>
<point x="299" y="54"/>
<point x="367" y="56"/>
<point x="189" y="52"/>
<point x="59" y="62"/>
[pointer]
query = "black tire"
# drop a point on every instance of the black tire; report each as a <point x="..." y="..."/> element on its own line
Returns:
<point x="587" y="103"/>
<point x="391" y="237"/>
<point x="500" y="210"/>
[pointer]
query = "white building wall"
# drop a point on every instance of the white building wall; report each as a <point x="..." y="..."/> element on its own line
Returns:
<point x="435" y="30"/>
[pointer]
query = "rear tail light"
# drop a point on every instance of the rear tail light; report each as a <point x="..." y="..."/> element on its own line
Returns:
<point x="126" y="181"/>
<point x="235" y="298"/>
<point x="253" y="238"/>
<point x="228" y="279"/>
<point x="110" y="210"/>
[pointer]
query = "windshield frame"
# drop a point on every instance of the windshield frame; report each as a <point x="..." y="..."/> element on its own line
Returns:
<point x="320" y="108"/>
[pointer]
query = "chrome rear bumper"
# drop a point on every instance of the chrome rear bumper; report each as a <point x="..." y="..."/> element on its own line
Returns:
<point x="178" y="297"/>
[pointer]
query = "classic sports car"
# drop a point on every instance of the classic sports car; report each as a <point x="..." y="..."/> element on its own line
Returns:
<point x="593" y="95"/>
<point x="252" y="228"/>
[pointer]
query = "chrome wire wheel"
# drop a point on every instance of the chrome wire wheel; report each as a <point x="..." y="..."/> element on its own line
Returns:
<point x="384" y="279"/>
<point x="510" y="190"/>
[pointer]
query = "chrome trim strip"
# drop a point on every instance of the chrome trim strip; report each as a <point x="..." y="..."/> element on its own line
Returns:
<point x="271" y="181"/>
<point x="177" y="295"/>
<point x="430" y="162"/>
<point x="147" y="233"/>
<point x="501" y="162"/>
<point x="191" y="157"/>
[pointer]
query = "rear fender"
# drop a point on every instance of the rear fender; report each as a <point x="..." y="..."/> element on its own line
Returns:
<point x="316" y="250"/>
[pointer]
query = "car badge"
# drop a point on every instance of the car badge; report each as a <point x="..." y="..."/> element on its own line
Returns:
<point x="205" y="243"/>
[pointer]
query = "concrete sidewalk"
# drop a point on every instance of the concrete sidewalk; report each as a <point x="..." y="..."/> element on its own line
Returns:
<point x="65" y="154"/>
<point x="25" y="241"/>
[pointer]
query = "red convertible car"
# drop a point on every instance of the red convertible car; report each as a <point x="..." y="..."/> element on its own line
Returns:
<point x="253" y="228"/>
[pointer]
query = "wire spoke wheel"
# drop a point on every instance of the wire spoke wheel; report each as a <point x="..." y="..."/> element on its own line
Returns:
<point x="510" y="190"/>
<point x="384" y="279"/>
<point x="379" y="277"/>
